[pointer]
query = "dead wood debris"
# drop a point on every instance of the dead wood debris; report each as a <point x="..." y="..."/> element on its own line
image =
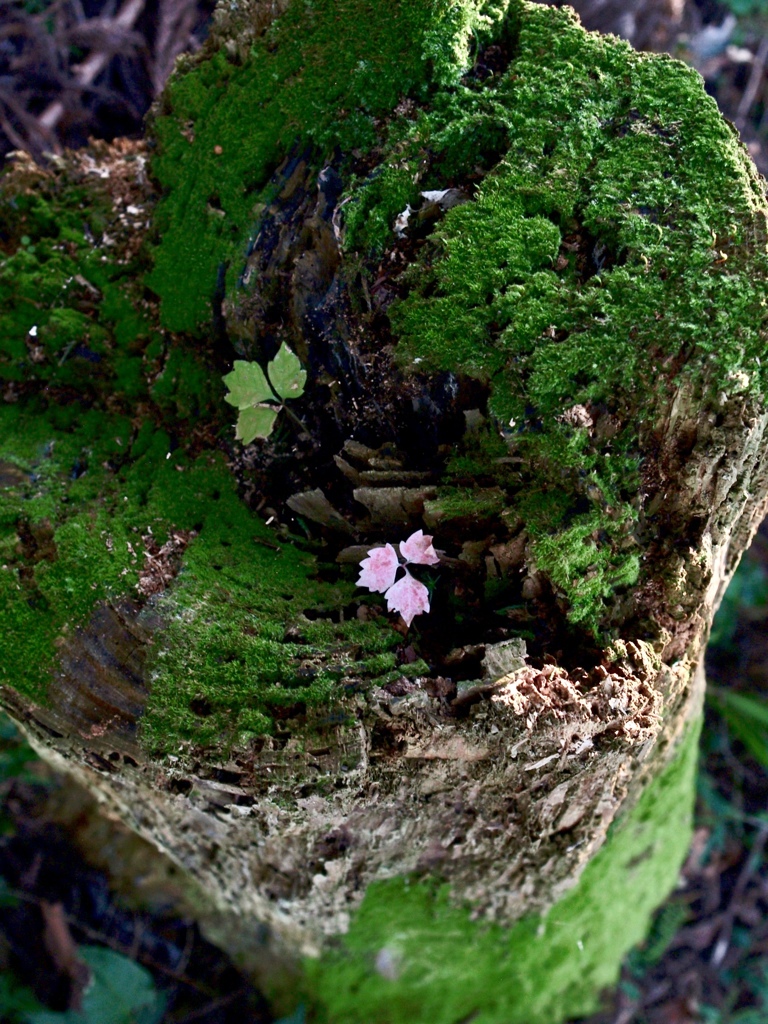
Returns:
<point x="71" y="70"/>
<point x="161" y="562"/>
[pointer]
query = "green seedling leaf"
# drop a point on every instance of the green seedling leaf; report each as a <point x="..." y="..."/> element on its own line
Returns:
<point x="251" y="391"/>
<point x="255" y="422"/>
<point x="120" y="992"/>
<point x="747" y="718"/>
<point x="286" y="374"/>
<point x="247" y="385"/>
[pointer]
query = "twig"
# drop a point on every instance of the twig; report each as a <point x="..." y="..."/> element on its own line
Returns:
<point x="214" y="1005"/>
<point x="97" y="935"/>
<point x="754" y="83"/>
<point x="63" y="951"/>
<point x="86" y="72"/>
<point x="186" y="953"/>
<point x="175" y="22"/>
<point x="42" y="139"/>
<point x="750" y="866"/>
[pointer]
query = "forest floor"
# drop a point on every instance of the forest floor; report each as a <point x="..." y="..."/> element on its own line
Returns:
<point x="74" y="69"/>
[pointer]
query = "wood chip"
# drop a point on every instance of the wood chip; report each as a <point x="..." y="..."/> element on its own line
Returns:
<point x="393" y="506"/>
<point x="314" y="505"/>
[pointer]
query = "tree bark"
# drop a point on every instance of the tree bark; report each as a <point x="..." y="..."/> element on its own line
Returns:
<point x="523" y="268"/>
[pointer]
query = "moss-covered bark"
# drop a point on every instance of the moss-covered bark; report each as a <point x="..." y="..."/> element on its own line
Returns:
<point x="524" y="270"/>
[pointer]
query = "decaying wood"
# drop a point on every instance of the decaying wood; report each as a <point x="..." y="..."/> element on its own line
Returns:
<point x="504" y="787"/>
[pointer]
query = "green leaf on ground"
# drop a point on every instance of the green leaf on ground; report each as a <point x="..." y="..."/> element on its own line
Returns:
<point x="121" y="992"/>
<point x="747" y="590"/>
<point x="17" y="1001"/>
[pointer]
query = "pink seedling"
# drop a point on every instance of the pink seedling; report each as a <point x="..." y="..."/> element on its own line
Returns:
<point x="378" y="571"/>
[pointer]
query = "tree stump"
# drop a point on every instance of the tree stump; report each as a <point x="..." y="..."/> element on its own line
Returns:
<point x="524" y="271"/>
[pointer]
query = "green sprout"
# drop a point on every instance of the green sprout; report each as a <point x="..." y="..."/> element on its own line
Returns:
<point x="259" y="395"/>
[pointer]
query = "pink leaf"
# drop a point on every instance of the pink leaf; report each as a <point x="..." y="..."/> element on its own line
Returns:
<point x="409" y="597"/>
<point x="418" y="549"/>
<point x="378" y="569"/>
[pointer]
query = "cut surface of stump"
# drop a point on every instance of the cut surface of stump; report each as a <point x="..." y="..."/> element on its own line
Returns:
<point x="523" y="271"/>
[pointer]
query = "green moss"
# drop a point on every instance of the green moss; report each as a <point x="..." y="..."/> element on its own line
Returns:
<point x="185" y="387"/>
<point x="58" y="282"/>
<point x="464" y="506"/>
<point x="482" y="453"/>
<point x="451" y="968"/>
<point x="380" y="663"/>
<point x="92" y="330"/>
<point x="322" y="75"/>
<point x="411" y="671"/>
<point x="83" y="509"/>
<point x="585" y="562"/>
<point x="88" y="489"/>
<point x="227" y="660"/>
<point x="596" y="246"/>
<point x="77" y="554"/>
